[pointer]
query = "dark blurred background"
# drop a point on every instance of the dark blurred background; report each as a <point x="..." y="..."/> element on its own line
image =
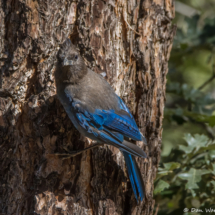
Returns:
<point x="186" y="176"/>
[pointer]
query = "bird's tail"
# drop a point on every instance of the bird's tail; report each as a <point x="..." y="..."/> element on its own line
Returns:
<point x="135" y="176"/>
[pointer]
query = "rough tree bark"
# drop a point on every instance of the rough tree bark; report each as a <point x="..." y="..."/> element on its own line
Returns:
<point x="130" y="43"/>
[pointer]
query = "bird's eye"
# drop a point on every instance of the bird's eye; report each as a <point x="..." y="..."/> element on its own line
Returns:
<point x="76" y="57"/>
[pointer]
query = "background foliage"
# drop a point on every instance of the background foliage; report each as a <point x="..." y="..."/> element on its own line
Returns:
<point x="187" y="169"/>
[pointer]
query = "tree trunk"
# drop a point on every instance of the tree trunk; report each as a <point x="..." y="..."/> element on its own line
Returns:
<point x="130" y="43"/>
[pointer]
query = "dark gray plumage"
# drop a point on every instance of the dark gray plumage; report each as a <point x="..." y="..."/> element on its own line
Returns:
<point x="82" y="83"/>
<point x="95" y="110"/>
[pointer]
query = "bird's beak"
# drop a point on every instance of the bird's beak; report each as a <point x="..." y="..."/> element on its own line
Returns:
<point x="67" y="62"/>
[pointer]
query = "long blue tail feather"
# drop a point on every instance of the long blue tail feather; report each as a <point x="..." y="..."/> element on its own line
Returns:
<point x="134" y="176"/>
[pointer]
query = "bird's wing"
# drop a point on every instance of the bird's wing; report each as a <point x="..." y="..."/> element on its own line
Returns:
<point x="109" y="137"/>
<point x="115" y="121"/>
<point x="108" y="127"/>
<point x="118" y="121"/>
<point x="125" y="108"/>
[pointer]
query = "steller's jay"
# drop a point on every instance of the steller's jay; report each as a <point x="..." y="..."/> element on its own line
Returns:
<point x="96" y="111"/>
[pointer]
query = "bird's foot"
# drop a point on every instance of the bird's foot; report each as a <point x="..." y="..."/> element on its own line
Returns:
<point x="76" y="152"/>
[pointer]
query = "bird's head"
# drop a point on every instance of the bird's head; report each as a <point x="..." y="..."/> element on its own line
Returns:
<point x="72" y="66"/>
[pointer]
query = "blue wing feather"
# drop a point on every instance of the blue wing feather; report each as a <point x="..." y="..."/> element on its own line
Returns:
<point x="130" y="173"/>
<point x="134" y="175"/>
<point x="125" y="108"/>
<point x="110" y="127"/>
<point x="118" y="121"/>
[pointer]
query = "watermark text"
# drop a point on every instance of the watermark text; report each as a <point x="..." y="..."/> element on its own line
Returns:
<point x="196" y="210"/>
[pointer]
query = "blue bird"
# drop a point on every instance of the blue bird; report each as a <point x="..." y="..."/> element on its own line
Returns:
<point x="96" y="111"/>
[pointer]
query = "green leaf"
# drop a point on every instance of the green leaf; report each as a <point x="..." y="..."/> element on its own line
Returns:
<point x="193" y="193"/>
<point x="168" y="167"/>
<point x="213" y="172"/>
<point x="211" y="152"/>
<point x="195" y="142"/>
<point x="161" y="185"/>
<point x="171" y="165"/>
<point x="198" y="140"/>
<point x="182" y="115"/>
<point x="192" y="177"/>
<point x="162" y="173"/>
<point x="213" y="183"/>
<point x="201" y="117"/>
<point x="211" y="121"/>
<point x="210" y="147"/>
